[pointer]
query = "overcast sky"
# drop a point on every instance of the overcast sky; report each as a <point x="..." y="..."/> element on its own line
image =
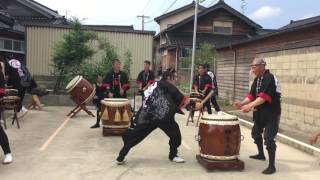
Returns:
<point x="268" y="13"/>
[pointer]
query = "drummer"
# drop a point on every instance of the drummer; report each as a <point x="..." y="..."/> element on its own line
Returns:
<point x="264" y="98"/>
<point x="215" y="89"/>
<point x="4" y="142"/>
<point x="203" y="84"/>
<point x="145" y="77"/>
<point x="116" y="82"/>
<point x="163" y="100"/>
<point x="97" y="98"/>
<point x="19" y="77"/>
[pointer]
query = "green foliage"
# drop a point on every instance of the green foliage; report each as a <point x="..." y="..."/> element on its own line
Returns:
<point x="90" y="70"/>
<point x="72" y="56"/>
<point x="206" y="54"/>
<point x="127" y="62"/>
<point x="71" y="51"/>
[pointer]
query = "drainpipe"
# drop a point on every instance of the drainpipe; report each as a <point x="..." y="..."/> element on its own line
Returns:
<point x="234" y="73"/>
<point x="176" y="68"/>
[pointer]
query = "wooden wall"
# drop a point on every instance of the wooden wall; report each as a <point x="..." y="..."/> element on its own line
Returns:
<point x="242" y="56"/>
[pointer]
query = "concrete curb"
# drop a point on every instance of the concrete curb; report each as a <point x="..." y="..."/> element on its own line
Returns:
<point x="289" y="141"/>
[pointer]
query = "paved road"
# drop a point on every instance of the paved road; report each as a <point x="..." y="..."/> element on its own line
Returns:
<point x="78" y="152"/>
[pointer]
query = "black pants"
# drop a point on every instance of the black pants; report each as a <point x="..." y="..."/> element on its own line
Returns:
<point x="136" y="135"/>
<point x="208" y="106"/>
<point x="4" y="142"/>
<point x="21" y="93"/>
<point x="214" y="103"/>
<point x="270" y="127"/>
<point x="98" y="112"/>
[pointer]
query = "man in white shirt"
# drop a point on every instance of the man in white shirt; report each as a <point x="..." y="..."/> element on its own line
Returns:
<point x="214" y="88"/>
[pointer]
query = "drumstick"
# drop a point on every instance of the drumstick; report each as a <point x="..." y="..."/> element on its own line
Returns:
<point x="238" y="110"/>
<point x="207" y="97"/>
<point x="120" y="82"/>
<point x="233" y="111"/>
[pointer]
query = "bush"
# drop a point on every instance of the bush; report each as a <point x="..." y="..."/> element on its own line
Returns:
<point x="127" y="62"/>
<point x="72" y="50"/>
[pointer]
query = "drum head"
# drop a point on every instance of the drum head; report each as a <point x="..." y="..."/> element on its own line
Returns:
<point x="116" y="99"/>
<point x="196" y="95"/>
<point x="220" y="117"/>
<point x="115" y="102"/>
<point x="73" y="83"/>
<point x="195" y="99"/>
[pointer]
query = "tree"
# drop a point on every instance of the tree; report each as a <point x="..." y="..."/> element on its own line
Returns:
<point x="91" y="70"/>
<point x="206" y="54"/>
<point x="70" y="52"/>
<point x="127" y="62"/>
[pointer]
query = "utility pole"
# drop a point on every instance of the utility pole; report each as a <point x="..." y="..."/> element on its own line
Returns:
<point x="143" y="22"/>
<point x="194" y="42"/>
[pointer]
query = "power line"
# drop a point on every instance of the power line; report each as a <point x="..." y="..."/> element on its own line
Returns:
<point x="212" y="3"/>
<point x="170" y="6"/>
<point x="155" y="13"/>
<point x="145" y="7"/>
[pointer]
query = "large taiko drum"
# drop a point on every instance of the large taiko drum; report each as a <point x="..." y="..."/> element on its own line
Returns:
<point x="80" y="90"/>
<point x="115" y="115"/>
<point x="196" y="95"/>
<point x="219" y="137"/>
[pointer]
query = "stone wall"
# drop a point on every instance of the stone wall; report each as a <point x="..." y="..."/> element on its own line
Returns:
<point x="298" y="71"/>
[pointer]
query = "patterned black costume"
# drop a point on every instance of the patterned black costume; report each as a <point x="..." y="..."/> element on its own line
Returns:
<point x="4" y="142"/>
<point x="157" y="111"/>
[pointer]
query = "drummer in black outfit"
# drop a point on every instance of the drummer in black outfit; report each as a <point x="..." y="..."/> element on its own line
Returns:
<point x="4" y="141"/>
<point x="145" y="78"/>
<point x="116" y="82"/>
<point x="163" y="100"/>
<point x="264" y="98"/>
<point x="19" y="78"/>
<point x="97" y="99"/>
<point x="203" y="84"/>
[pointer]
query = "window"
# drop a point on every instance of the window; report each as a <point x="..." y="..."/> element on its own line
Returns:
<point x="8" y="44"/>
<point x="11" y="45"/>
<point x="185" y="58"/>
<point x="163" y="40"/>
<point x="1" y="43"/>
<point x="222" y="27"/>
<point x="164" y="53"/>
<point x="18" y="46"/>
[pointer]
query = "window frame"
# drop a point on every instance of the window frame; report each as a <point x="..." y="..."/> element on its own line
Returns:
<point x="222" y="22"/>
<point x="22" y="45"/>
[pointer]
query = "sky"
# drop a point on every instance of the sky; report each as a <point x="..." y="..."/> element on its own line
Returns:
<point x="270" y="14"/>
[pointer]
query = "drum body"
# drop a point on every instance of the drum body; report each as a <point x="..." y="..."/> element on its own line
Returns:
<point x="80" y="90"/>
<point x="219" y="137"/>
<point x="115" y="115"/>
<point x="196" y="95"/>
<point x="10" y="100"/>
